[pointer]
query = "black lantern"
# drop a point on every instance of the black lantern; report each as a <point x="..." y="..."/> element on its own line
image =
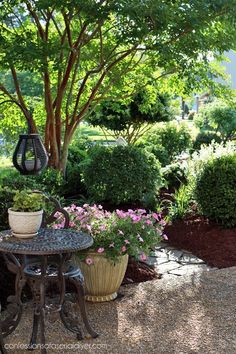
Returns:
<point x="30" y="155"/>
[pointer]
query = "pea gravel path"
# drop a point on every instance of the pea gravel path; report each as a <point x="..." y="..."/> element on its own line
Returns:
<point x="193" y="313"/>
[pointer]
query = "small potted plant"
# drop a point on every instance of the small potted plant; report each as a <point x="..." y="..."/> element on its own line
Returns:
<point x="25" y="216"/>
<point x="116" y="236"/>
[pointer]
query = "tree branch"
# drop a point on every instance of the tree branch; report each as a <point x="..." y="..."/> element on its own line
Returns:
<point x="25" y="110"/>
<point x="70" y="63"/>
<point x="36" y="19"/>
<point x="6" y="92"/>
<point x="68" y="31"/>
<point x="76" y="119"/>
<point x="69" y="97"/>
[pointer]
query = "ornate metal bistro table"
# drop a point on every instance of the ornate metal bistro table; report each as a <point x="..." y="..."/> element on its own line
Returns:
<point x="39" y="261"/>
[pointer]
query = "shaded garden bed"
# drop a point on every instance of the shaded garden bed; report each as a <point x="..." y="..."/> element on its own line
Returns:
<point x="205" y="239"/>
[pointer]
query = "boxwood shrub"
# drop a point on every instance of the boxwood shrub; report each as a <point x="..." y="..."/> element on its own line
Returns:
<point x="120" y="174"/>
<point x="167" y="142"/>
<point x="205" y="138"/>
<point x="215" y="190"/>
<point x="6" y="200"/>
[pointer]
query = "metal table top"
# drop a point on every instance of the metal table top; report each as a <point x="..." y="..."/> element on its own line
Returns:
<point x="46" y="242"/>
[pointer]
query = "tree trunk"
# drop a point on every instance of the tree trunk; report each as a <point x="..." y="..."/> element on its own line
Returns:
<point x="65" y="150"/>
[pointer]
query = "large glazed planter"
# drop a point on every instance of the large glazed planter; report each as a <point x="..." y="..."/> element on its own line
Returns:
<point x="24" y="224"/>
<point x="102" y="277"/>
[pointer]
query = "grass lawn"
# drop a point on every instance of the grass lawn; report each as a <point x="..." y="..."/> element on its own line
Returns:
<point x="92" y="133"/>
<point x="5" y="166"/>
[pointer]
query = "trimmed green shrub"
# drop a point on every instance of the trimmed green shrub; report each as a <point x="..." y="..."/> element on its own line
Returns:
<point x="74" y="185"/>
<point x="205" y="138"/>
<point x="49" y="181"/>
<point x="13" y="180"/>
<point x="205" y="155"/>
<point x="219" y="117"/>
<point x="215" y="190"/>
<point x="6" y="201"/>
<point x="167" y="142"/>
<point x="120" y="174"/>
<point x="128" y="119"/>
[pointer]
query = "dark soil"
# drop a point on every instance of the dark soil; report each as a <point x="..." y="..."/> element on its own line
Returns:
<point x="138" y="272"/>
<point x="205" y="239"/>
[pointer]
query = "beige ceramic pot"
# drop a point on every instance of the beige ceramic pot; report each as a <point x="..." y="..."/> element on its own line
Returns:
<point x="103" y="277"/>
<point x="24" y="224"/>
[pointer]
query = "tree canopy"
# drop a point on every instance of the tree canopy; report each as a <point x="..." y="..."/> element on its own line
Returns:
<point x="85" y="51"/>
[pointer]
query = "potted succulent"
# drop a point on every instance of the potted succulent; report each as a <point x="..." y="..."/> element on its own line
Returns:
<point x="116" y="236"/>
<point x="25" y="216"/>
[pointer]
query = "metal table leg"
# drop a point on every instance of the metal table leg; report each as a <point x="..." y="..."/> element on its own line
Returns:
<point x="38" y="286"/>
<point x="14" y="307"/>
<point x="42" y="304"/>
<point x="78" y="283"/>
<point x="76" y="278"/>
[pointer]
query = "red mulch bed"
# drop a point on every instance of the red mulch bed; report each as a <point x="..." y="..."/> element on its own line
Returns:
<point x="138" y="272"/>
<point x="205" y="239"/>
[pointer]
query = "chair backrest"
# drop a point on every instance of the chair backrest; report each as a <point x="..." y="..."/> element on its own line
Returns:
<point x="49" y="218"/>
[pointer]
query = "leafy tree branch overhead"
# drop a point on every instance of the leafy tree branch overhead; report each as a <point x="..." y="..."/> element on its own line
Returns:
<point x="85" y="50"/>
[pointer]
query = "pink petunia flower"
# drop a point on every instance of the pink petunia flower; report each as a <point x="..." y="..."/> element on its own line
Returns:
<point x="89" y="260"/>
<point x="135" y="218"/>
<point x="156" y="216"/>
<point x="103" y="227"/>
<point x="141" y="211"/>
<point x="100" y="250"/>
<point x="165" y="237"/>
<point x="143" y="257"/>
<point x="123" y="248"/>
<point x="126" y="241"/>
<point x="88" y="227"/>
<point x="120" y="213"/>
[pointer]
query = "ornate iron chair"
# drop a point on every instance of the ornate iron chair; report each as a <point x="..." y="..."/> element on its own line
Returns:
<point x="2" y="348"/>
<point x="71" y="273"/>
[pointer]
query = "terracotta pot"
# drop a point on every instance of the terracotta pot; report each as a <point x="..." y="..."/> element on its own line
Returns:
<point x="24" y="224"/>
<point x="103" y="277"/>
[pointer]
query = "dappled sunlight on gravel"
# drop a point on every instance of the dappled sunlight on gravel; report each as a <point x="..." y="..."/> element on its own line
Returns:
<point x="189" y="314"/>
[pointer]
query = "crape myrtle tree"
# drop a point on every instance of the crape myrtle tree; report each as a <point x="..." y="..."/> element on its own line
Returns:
<point x="85" y="51"/>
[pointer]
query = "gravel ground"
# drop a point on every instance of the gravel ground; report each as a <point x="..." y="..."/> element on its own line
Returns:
<point x="182" y="315"/>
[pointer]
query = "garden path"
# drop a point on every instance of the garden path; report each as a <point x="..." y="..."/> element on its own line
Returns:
<point x="187" y="314"/>
<point x="169" y="261"/>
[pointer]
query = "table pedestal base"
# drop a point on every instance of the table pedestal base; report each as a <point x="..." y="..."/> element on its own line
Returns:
<point x="38" y="277"/>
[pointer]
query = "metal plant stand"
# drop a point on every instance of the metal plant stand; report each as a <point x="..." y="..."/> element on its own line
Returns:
<point x="53" y="249"/>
